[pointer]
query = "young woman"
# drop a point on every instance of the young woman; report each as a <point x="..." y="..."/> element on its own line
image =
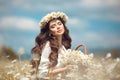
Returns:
<point x="51" y="43"/>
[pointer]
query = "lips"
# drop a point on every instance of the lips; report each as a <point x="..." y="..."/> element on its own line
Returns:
<point x="59" y="31"/>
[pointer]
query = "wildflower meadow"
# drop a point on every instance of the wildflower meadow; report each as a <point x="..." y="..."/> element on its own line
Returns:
<point x="87" y="67"/>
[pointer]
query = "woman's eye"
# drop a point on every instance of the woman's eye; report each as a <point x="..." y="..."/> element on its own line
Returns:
<point x="53" y="26"/>
<point x="59" y="23"/>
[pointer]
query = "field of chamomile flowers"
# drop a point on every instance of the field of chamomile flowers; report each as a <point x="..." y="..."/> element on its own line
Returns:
<point x="87" y="67"/>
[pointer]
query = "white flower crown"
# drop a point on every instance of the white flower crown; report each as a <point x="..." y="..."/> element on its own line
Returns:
<point x="51" y="16"/>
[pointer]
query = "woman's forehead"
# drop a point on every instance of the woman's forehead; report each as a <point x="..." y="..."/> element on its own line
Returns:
<point x="54" y="21"/>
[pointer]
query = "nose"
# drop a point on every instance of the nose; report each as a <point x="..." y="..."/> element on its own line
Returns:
<point x="58" y="27"/>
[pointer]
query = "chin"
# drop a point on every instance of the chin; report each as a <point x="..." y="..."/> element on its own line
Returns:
<point x="59" y="34"/>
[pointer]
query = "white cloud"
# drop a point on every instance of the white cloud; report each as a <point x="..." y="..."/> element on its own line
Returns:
<point x="75" y="22"/>
<point x="97" y="40"/>
<point x="100" y="9"/>
<point x="48" y="5"/>
<point x="18" y="22"/>
<point x="109" y="16"/>
<point x="88" y="8"/>
<point x="30" y="5"/>
<point x="90" y="3"/>
<point x="99" y="3"/>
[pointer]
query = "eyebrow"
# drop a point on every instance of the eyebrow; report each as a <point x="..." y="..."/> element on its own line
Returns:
<point x="55" y="21"/>
<point x="52" y="25"/>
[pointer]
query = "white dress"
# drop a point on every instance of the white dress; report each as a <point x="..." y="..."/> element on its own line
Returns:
<point x="43" y="66"/>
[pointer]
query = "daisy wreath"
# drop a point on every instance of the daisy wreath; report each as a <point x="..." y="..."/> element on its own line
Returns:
<point x="51" y="16"/>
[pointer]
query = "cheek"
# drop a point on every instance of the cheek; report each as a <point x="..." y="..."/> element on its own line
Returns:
<point x="53" y="31"/>
<point x="63" y="29"/>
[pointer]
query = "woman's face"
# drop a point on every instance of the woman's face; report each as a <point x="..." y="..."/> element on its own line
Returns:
<point x="56" y="27"/>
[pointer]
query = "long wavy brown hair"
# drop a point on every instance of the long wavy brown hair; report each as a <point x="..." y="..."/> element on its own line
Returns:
<point x="45" y="36"/>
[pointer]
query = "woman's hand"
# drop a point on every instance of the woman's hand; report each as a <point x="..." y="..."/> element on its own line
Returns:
<point x="68" y="67"/>
<point x="60" y="70"/>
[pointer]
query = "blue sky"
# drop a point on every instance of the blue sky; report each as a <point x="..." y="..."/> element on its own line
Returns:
<point x="95" y="23"/>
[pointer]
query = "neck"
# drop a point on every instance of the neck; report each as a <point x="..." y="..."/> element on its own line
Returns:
<point x="59" y="40"/>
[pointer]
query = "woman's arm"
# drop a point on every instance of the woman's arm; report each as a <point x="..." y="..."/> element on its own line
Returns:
<point x="60" y="70"/>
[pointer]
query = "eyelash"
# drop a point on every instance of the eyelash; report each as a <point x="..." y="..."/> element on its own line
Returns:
<point x="54" y="25"/>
